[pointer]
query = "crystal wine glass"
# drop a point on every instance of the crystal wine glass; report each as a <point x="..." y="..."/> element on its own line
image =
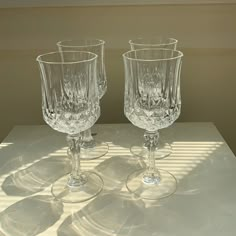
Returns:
<point x="90" y="148"/>
<point x="164" y="148"/>
<point x="152" y="102"/>
<point x="70" y="104"/>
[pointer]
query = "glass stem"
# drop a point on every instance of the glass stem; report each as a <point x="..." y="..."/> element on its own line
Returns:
<point x="146" y="140"/>
<point x="87" y="139"/>
<point x="75" y="179"/>
<point x="151" y="175"/>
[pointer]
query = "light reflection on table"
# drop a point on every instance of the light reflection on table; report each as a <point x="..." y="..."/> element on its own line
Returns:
<point x="33" y="157"/>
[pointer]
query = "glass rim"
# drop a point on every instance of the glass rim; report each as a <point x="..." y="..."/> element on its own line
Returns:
<point x="174" y="41"/>
<point x="62" y="43"/>
<point x="40" y="57"/>
<point x="125" y="55"/>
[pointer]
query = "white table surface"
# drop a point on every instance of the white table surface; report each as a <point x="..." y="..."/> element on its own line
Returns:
<point x="33" y="157"/>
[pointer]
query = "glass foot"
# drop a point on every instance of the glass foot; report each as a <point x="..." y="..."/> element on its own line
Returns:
<point x="71" y="192"/>
<point x="99" y="149"/>
<point x="163" y="150"/>
<point x="140" y="185"/>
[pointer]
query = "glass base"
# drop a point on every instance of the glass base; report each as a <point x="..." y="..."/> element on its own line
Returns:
<point x="163" y="150"/>
<point x="99" y="149"/>
<point x="69" y="191"/>
<point x="162" y="185"/>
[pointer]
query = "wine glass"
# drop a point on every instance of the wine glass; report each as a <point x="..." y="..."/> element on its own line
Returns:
<point x="154" y="42"/>
<point x="70" y="104"/>
<point x="90" y="149"/>
<point x="164" y="148"/>
<point x="152" y="102"/>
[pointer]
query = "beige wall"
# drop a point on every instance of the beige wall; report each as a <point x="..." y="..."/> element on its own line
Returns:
<point x="207" y="35"/>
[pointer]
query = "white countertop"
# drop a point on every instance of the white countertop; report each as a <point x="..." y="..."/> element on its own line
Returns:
<point x="33" y="157"/>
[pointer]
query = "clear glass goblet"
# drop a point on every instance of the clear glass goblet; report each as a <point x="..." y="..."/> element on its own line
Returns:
<point x="152" y="101"/>
<point x="70" y="104"/>
<point x="164" y="148"/>
<point x="90" y="148"/>
<point x="153" y="42"/>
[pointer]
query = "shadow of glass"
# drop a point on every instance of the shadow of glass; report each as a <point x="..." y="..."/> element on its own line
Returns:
<point x="108" y="214"/>
<point x="30" y="216"/>
<point x="120" y="214"/>
<point x="18" y="154"/>
<point x="115" y="170"/>
<point x="36" y="177"/>
<point x="127" y="135"/>
<point x="195" y="206"/>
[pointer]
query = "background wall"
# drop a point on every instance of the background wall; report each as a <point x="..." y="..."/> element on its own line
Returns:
<point x="206" y="33"/>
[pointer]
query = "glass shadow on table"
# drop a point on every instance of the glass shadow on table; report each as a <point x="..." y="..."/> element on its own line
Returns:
<point x="36" y="177"/>
<point x="199" y="206"/>
<point x="106" y="215"/>
<point x="130" y="135"/>
<point x="183" y="210"/>
<point x="30" y="216"/>
<point x="120" y="214"/>
<point x="115" y="170"/>
<point x="43" y="173"/>
<point x="34" y="209"/>
<point x="15" y="155"/>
